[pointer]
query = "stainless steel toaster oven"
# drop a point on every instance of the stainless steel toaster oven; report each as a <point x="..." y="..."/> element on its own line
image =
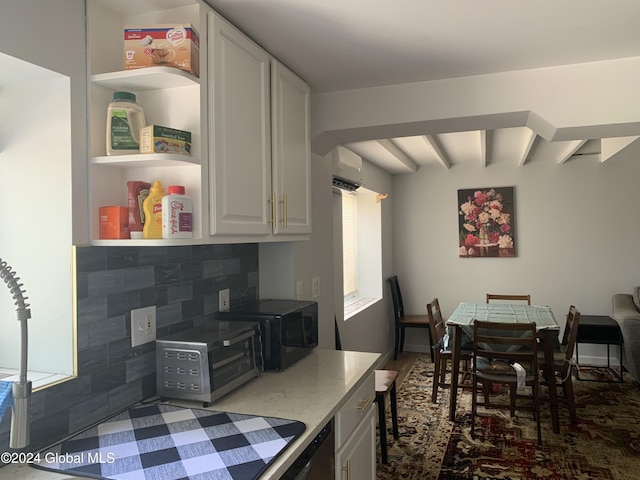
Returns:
<point x="205" y="363"/>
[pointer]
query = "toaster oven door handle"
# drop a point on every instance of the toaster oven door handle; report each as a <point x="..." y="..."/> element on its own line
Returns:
<point x="239" y="338"/>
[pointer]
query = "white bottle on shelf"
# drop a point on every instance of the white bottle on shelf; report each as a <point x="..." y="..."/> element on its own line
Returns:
<point x="177" y="214"/>
<point x="125" y="118"/>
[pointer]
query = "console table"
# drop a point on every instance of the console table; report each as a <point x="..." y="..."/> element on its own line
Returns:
<point x="600" y="330"/>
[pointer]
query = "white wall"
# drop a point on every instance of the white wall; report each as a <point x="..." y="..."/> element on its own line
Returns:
<point x="577" y="230"/>
<point x="283" y="264"/>
<point x="43" y="164"/>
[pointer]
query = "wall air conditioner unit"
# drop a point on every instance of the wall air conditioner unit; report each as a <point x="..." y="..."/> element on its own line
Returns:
<point x="347" y="169"/>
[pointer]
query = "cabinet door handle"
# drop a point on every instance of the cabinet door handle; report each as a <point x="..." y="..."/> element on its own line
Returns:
<point x="347" y="469"/>
<point x="272" y="201"/>
<point x="283" y="202"/>
<point x="365" y="404"/>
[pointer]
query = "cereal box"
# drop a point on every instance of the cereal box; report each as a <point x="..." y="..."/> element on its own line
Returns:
<point x="169" y="45"/>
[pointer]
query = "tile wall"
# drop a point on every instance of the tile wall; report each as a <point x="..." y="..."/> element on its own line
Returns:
<point x="182" y="282"/>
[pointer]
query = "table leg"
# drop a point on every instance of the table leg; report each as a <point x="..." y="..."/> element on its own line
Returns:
<point x="455" y="371"/>
<point x="547" y="343"/>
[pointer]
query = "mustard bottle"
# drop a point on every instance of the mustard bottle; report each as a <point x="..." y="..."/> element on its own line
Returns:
<point x="152" y="207"/>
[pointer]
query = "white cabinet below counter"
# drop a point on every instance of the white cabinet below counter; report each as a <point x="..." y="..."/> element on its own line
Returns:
<point x="314" y="390"/>
<point x="355" y="434"/>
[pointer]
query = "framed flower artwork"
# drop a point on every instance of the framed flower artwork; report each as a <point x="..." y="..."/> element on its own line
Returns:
<point x="486" y="219"/>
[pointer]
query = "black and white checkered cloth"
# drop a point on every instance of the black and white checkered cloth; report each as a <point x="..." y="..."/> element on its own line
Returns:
<point x="165" y="442"/>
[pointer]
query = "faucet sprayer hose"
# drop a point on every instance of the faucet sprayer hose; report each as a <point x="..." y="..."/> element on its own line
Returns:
<point x="8" y="275"/>
<point x="19" y="436"/>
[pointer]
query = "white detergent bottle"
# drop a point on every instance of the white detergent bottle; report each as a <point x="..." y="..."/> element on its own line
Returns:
<point x="125" y="118"/>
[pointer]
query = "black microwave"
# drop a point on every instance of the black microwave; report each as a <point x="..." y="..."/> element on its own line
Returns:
<point x="288" y="328"/>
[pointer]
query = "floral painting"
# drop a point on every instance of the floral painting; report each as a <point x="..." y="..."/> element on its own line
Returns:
<point x="486" y="222"/>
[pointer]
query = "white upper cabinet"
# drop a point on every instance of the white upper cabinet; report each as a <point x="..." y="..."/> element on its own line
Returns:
<point x="240" y="133"/>
<point x="291" y="151"/>
<point x="259" y="136"/>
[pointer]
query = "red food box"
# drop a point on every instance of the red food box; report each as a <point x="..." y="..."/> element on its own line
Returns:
<point x="114" y="223"/>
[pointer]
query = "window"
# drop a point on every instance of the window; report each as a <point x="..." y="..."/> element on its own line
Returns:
<point x="361" y="250"/>
<point x="349" y="245"/>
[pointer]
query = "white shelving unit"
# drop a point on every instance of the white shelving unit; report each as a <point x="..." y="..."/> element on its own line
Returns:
<point x="169" y="96"/>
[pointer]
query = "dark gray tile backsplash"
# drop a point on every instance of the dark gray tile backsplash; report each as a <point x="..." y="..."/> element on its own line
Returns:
<point x="183" y="284"/>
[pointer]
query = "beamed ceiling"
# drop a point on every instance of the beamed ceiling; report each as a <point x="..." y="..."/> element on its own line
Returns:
<point x="341" y="45"/>
<point x="513" y="146"/>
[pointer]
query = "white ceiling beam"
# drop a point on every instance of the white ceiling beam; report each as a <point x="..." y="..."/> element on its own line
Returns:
<point x="483" y="148"/>
<point x="438" y="151"/>
<point x="612" y="146"/>
<point x="528" y="145"/>
<point x="573" y="148"/>
<point x="399" y="154"/>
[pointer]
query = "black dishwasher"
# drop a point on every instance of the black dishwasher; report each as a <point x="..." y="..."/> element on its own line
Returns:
<point x="317" y="461"/>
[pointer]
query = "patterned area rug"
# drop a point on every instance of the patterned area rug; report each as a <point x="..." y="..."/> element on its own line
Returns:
<point x="604" y="445"/>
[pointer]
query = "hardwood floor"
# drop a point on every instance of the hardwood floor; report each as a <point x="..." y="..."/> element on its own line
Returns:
<point x="402" y="365"/>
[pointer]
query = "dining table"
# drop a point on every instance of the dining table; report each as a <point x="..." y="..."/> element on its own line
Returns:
<point x="460" y="324"/>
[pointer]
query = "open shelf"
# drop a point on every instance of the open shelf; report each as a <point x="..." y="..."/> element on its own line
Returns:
<point x="145" y="160"/>
<point x="142" y="79"/>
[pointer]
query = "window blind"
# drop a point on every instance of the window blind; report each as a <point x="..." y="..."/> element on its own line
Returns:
<point x="349" y="243"/>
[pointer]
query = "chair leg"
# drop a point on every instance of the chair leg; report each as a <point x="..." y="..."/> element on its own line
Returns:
<point x="429" y="344"/>
<point x="402" y="330"/>
<point x="436" y="379"/>
<point x="486" y="393"/>
<point x="382" y="423"/>
<point x="474" y="405"/>
<point x="536" y="409"/>
<point x="394" y="411"/>
<point x="512" y="394"/>
<point x="396" y="347"/>
<point x="571" y="399"/>
<point x="443" y="372"/>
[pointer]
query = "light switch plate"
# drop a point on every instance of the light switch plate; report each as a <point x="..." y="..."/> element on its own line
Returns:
<point x="315" y="287"/>
<point x="223" y="300"/>
<point x="298" y="290"/>
<point x="143" y="325"/>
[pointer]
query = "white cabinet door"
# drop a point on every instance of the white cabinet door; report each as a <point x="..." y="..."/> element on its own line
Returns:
<point x="291" y="151"/>
<point x="240" y="133"/>
<point x="355" y="459"/>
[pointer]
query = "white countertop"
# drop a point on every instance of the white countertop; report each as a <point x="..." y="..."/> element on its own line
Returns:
<point x="311" y="391"/>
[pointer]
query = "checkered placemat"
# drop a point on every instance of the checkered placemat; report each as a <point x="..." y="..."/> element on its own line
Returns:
<point x="165" y="442"/>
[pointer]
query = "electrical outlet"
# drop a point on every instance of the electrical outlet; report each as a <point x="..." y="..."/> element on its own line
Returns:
<point x="143" y="326"/>
<point x="223" y="300"/>
<point x="315" y="287"/>
<point x="298" y="290"/>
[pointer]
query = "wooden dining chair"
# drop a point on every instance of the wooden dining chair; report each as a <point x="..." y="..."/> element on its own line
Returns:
<point x="563" y="362"/>
<point x="510" y="298"/>
<point x="385" y="385"/>
<point x="403" y="321"/>
<point x="442" y="354"/>
<point x="505" y="354"/>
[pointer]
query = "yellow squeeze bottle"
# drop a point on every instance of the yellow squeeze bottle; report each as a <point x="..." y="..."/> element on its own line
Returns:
<point x="152" y="207"/>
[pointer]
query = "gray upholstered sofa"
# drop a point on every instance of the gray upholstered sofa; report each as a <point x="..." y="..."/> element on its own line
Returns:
<point x="626" y="311"/>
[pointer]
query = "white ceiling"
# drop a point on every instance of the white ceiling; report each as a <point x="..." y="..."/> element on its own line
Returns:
<point x="349" y="44"/>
